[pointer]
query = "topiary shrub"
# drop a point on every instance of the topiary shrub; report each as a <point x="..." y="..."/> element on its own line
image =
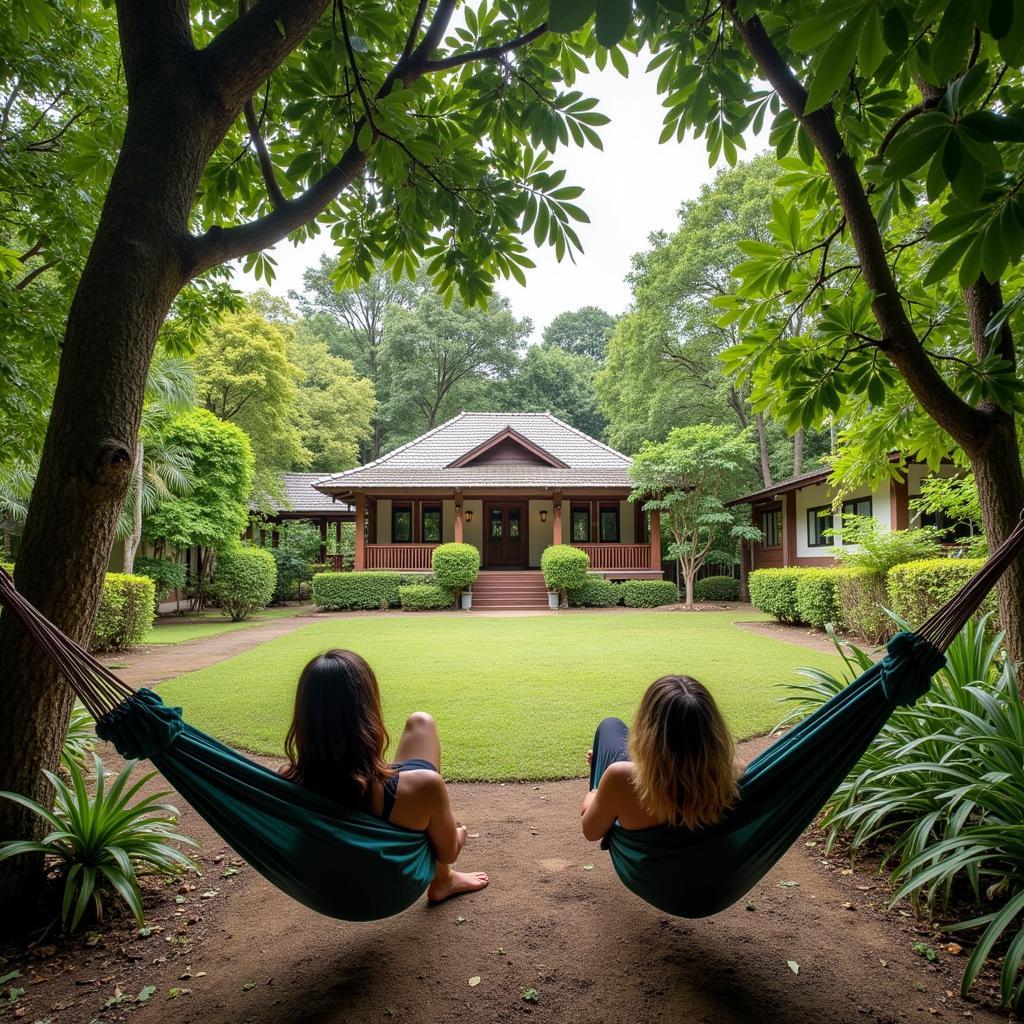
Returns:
<point x="916" y="590"/>
<point x="717" y="588"/>
<point x="596" y="592"/>
<point x="243" y="581"/>
<point x="862" y="598"/>
<point x="347" y="591"/>
<point x="648" y="593"/>
<point x="773" y="591"/>
<point x="456" y="567"/>
<point x="565" y="568"/>
<point x="424" y="597"/>
<point x="126" y="612"/>
<point x="817" y="598"/>
<point x="165" y="574"/>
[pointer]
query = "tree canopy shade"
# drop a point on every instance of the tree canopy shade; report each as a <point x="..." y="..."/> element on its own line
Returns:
<point x="580" y="332"/>
<point x="901" y="227"/>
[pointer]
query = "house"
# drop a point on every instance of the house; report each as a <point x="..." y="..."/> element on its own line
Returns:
<point x="795" y="515"/>
<point x="510" y="484"/>
<point x="303" y="502"/>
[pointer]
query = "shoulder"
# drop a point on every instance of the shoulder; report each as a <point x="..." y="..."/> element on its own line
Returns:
<point x="424" y="785"/>
<point x="616" y="775"/>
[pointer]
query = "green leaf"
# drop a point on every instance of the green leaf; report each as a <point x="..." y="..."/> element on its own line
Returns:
<point x="952" y="40"/>
<point x="835" y="64"/>
<point x="612" y="22"/>
<point x="365" y="137"/>
<point x="569" y="15"/>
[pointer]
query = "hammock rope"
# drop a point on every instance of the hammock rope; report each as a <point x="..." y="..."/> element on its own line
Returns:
<point x="356" y="867"/>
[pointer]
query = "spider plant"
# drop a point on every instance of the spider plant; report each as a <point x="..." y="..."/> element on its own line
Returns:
<point x="80" y="739"/>
<point x="104" y="840"/>
<point x="941" y="791"/>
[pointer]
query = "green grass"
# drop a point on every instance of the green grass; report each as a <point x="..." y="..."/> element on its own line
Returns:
<point x="515" y="698"/>
<point x="168" y="631"/>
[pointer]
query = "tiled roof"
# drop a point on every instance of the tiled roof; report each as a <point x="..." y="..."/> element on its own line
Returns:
<point x="302" y="496"/>
<point x="424" y="461"/>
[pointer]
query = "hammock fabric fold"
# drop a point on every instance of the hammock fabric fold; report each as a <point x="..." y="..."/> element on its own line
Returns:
<point x="357" y="867"/>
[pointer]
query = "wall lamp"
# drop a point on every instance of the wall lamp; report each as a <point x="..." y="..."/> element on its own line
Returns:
<point x="468" y="515"/>
<point x="543" y="515"/>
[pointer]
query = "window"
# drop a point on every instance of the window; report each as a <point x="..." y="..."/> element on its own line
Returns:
<point x="496" y="524"/>
<point x="608" y="524"/>
<point x="771" y="528"/>
<point x="430" y="527"/>
<point x="818" y="521"/>
<point x="513" y="524"/>
<point x="952" y="529"/>
<point x="401" y="524"/>
<point x="857" y="507"/>
<point x="580" y="531"/>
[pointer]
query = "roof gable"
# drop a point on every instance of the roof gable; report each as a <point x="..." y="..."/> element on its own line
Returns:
<point x="507" y="446"/>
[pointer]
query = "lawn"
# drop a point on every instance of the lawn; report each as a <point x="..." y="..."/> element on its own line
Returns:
<point x="168" y="630"/>
<point x="515" y="698"/>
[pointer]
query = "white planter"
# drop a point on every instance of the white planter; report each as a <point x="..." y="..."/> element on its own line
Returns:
<point x="553" y="600"/>
<point x="466" y="600"/>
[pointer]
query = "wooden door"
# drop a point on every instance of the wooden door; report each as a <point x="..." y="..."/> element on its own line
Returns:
<point x="505" y="535"/>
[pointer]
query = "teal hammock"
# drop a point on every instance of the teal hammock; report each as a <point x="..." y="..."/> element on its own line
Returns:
<point x="357" y="867"/>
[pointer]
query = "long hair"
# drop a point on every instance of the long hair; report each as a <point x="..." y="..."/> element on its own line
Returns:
<point x="683" y="754"/>
<point x="336" y="742"/>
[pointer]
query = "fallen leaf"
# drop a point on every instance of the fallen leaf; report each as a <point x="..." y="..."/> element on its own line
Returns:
<point x="955" y="948"/>
<point x="793" y="966"/>
<point x="173" y="993"/>
<point x="530" y="995"/>
<point x="846" y="871"/>
<point x="788" y="885"/>
<point x="588" y="867"/>
<point x="209" y="894"/>
<point x="228" y="872"/>
<point x="460" y="920"/>
<point x="145" y="993"/>
<point x="474" y="981"/>
<point x="180" y="899"/>
<point x="92" y="938"/>
<point x="848" y="905"/>
<point x="248" y="986"/>
<point x="474" y="835"/>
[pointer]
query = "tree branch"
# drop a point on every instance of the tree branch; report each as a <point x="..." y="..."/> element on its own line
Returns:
<point x="33" y="274"/>
<point x="487" y="52"/>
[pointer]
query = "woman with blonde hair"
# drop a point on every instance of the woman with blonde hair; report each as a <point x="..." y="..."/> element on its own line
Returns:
<point x="675" y="767"/>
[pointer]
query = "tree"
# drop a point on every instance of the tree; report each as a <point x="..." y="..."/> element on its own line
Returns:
<point x="434" y="352"/>
<point x="580" y="332"/>
<point x="244" y="375"/>
<point x="335" y="409"/>
<point x="409" y="141"/>
<point x="902" y="225"/>
<point x="215" y="511"/>
<point x="687" y="478"/>
<point x="552" y="380"/>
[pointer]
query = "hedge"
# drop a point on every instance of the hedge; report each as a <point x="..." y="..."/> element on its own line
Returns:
<point x="916" y="590"/>
<point x="423" y="597"/>
<point x="596" y="592"/>
<point x="565" y="567"/>
<point x="648" y="593"/>
<point x="244" y="580"/>
<point x="773" y="591"/>
<point x="717" y="588"/>
<point x="127" y="610"/>
<point x="345" y="591"/>
<point x="862" y="598"/>
<point x="817" y="598"/>
<point x="456" y="566"/>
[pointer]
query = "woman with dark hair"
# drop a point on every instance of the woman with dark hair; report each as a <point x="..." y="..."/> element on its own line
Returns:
<point x="336" y="747"/>
<point x="675" y="767"/>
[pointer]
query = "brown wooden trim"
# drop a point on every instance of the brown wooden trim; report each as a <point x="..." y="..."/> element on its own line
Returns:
<point x="899" y="504"/>
<point x="655" y="540"/>
<point x="789" y="530"/>
<point x="360" y="554"/>
<point x="507" y="434"/>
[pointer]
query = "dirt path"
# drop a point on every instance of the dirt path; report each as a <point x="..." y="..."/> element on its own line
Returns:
<point x="555" y="919"/>
<point x="803" y="636"/>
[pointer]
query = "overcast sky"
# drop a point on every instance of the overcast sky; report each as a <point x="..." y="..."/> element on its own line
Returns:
<point x="633" y="187"/>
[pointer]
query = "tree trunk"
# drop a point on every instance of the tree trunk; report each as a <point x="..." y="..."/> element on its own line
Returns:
<point x="798" y="452"/>
<point x="762" y="445"/>
<point x="134" y="270"/>
<point x="688" y="573"/>
<point x="131" y="542"/>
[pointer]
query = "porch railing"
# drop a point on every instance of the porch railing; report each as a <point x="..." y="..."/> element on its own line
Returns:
<point x="408" y="557"/>
<point x="617" y="556"/>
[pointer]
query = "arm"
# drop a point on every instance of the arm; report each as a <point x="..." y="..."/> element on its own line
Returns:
<point x="442" y="829"/>
<point x="601" y="806"/>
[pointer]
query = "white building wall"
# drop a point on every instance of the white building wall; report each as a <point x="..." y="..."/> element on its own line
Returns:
<point x="541" y="535"/>
<point x="822" y="494"/>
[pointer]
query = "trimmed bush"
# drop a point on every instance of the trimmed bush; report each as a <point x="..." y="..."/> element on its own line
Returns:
<point x="127" y="610"/>
<point x="414" y="579"/>
<point x="817" y="598"/>
<point x="165" y="574"/>
<point x="716" y="588"/>
<point x="596" y="592"/>
<point x="456" y="566"/>
<point x="862" y="597"/>
<point x="244" y="580"/>
<point x="424" y="597"/>
<point x="347" y="591"/>
<point x="648" y="593"/>
<point x="773" y="591"/>
<point x="916" y="590"/>
<point x="565" y="568"/>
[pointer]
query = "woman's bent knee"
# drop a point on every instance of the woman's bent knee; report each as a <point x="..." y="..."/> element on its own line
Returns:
<point x="420" y="721"/>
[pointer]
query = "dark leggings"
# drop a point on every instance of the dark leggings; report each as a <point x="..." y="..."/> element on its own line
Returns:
<point x="609" y="747"/>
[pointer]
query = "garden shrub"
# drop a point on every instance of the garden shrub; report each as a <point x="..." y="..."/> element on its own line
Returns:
<point x="318" y="567"/>
<point x="862" y="598"/>
<point x="414" y="579"/>
<point x="817" y="598"/>
<point x="717" y="588"/>
<point x="165" y="574"/>
<point x="347" y="591"/>
<point x="773" y="591"/>
<point x="244" y="580"/>
<point x="648" y="593"/>
<point x="423" y="597"/>
<point x="917" y="590"/>
<point x="596" y="592"/>
<point x="456" y="566"/>
<point x="127" y="610"/>
<point x="565" y="568"/>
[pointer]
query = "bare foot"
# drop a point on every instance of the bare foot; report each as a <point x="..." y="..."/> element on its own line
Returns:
<point x="456" y="884"/>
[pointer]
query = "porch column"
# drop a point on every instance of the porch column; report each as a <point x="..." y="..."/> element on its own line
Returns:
<point x="789" y="529"/>
<point x="337" y="534"/>
<point x="360" y="560"/>
<point x="323" y="540"/>
<point x="556" y="524"/>
<point x="746" y="550"/>
<point x="656" y="540"/>
<point x="899" y="504"/>
<point x="458" y="517"/>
